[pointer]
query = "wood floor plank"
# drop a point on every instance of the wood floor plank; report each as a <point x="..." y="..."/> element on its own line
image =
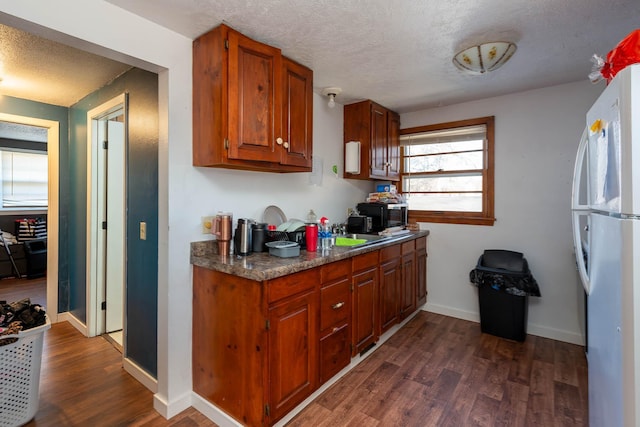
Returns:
<point x="82" y="383"/>
<point x="450" y="375"/>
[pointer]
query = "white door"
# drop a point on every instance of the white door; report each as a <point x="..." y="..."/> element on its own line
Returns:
<point x="115" y="217"/>
<point x="106" y="214"/>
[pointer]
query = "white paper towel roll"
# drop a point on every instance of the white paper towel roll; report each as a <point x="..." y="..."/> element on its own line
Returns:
<point x="352" y="157"/>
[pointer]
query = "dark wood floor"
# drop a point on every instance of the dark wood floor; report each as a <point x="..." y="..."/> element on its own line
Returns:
<point x="16" y="289"/>
<point x="435" y="371"/>
<point x="83" y="384"/>
<point x="440" y="371"/>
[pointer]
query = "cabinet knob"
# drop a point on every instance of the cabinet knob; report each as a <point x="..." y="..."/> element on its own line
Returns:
<point x="279" y="141"/>
<point x="285" y="144"/>
<point x="337" y="305"/>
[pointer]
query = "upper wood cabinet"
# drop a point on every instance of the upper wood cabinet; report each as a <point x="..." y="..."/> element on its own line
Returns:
<point x="378" y="130"/>
<point x="252" y="107"/>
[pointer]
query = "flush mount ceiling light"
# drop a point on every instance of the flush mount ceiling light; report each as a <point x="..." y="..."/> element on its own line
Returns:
<point x="331" y="92"/>
<point x="484" y="57"/>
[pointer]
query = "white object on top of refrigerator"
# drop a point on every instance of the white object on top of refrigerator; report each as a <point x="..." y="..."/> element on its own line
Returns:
<point x="606" y="226"/>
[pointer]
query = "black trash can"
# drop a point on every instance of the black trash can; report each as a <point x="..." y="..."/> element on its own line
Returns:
<point x="504" y="284"/>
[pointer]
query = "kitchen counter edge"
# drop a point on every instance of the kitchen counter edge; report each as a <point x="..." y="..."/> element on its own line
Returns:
<point x="262" y="266"/>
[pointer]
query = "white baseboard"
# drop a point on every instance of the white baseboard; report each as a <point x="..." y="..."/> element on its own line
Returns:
<point x="140" y="374"/>
<point x="537" y="330"/>
<point x="452" y="312"/>
<point x="73" y="320"/>
<point x="172" y="409"/>
<point x="212" y="412"/>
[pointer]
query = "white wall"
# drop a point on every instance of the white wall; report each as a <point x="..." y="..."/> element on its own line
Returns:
<point x="536" y="138"/>
<point x="247" y="194"/>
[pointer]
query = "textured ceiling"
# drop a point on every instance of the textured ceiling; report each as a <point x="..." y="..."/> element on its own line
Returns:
<point x="398" y="53"/>
<point x="45" y="71"/>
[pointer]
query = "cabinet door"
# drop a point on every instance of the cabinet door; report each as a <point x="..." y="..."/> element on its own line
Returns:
<point x="421" y="271"/>
<point x="297" y="115"/>
<point x="408" y="291"/>
<point x="378" y="141"/>
<point x="393" y="146"/>
<point x="254" y="99"/>
<point x="293" y="352"/>
<point x="364" y="308"/>
<point x="389" y="289"/>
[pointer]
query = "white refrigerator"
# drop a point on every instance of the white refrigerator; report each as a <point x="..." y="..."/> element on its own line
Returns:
<point x="606" y="228"/>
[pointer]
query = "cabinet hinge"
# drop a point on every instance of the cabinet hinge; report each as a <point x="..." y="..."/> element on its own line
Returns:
<point x="267" y="324"/>
<point x="226" y="43"/>
<point x="226" y="144"/>
<point x="104" y="225"/>
<point x="267" y="410"/>
<point x="103" y="305"/>
<point x="351" y="288"/>
<point x="105" y="144"/>
<point x="352" y="347"/>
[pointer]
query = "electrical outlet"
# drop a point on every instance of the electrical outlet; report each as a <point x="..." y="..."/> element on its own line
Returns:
<point x="143" y="230"/>
<point x="207" y="224"/>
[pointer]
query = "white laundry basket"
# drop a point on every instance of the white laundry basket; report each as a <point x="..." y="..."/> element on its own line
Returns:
<point x="20" y="375"/>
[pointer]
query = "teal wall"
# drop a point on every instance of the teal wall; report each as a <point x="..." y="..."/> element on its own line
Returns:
<point x="142" y="205"/>
<point x="23" y="107"/>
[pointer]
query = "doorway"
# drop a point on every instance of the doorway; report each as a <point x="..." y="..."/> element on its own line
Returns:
<point x="106" y="224"/>
<point x="53" y="131"/>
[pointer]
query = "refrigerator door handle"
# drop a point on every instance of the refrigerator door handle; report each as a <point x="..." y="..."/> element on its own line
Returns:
<point x="580" y="252"/>
<point x="577" y="174"/>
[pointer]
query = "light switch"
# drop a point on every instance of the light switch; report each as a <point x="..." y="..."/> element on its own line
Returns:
<point x="143" y="230"/>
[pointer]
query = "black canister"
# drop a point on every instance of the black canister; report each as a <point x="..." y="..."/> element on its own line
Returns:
<point x="258" y="236"/>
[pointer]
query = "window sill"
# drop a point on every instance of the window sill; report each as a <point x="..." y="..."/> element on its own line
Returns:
<point x="450" y="219"/>
<point x="23" y="211"/>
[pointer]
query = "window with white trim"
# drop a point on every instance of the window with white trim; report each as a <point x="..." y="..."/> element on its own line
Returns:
<point x="24" y="179"/>
<point x="447" y="172"/>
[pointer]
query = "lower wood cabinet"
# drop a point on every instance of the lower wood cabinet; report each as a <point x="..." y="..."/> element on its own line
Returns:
<point x="365" y="301"/>
<point x="408" y="289"/>
<point x="421" y="271"/>
<point x="293" y="352"/>
<point x="390" y="278"/>
<point x="261" y="347"/>
<point x="335" y="318"/>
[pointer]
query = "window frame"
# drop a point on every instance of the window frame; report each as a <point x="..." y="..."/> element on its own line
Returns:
<point x="22" y="206"/>
<point x="487" y="215"/>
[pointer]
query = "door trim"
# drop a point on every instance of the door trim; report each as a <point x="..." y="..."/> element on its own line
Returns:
<point x="95" y="322"/>
<point x="53" y="161"/>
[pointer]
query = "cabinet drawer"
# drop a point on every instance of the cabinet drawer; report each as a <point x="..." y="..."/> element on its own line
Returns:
<point x="365" y="261"/>
<point x="334" y="352"/>
<point x="421" y="243"/>
<point x="408" y="247"/>
<point x="390" y="253"/>
<point x="292" y="284"/>
<point x="335" y="270"/>
<point x="335" y="304"/>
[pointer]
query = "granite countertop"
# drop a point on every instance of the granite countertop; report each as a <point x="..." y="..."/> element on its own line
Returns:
<point x="262" y="266"/>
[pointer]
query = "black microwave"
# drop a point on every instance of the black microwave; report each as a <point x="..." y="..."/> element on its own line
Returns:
<point x="384" y="215"/>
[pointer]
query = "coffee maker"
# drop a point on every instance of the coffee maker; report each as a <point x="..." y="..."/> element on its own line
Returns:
<point x="222" y="225"/>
